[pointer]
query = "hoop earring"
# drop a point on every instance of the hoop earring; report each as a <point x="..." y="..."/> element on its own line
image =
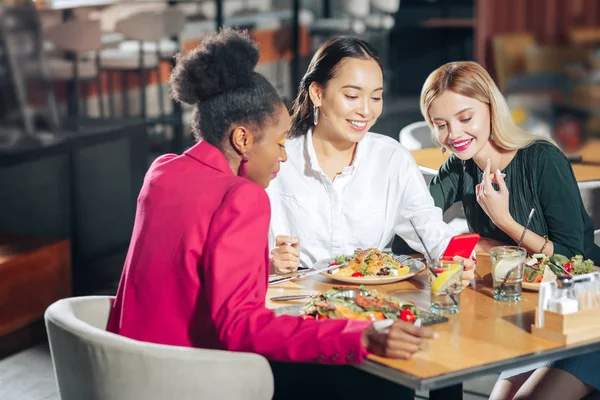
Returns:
<point x="243" y="169"/>
<point x="315" y="115"/>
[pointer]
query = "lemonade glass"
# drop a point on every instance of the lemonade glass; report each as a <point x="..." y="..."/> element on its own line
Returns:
<point x="508" y="264"/>
<point x="445" y="279"/>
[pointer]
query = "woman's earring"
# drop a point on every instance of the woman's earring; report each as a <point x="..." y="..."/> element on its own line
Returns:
<point x="243" y="169"/>
<point x="443" y="149"/>
<point x="315" y="114"/>
<point x="492" y="136"/>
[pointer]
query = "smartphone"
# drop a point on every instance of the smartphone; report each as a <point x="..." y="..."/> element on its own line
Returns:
<point x="461" y="245"/>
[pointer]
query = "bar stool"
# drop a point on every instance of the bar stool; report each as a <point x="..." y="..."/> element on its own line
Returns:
<point x="23" y="62"/>
<point x="147" y="44"/>
<point x="82" y="41"/>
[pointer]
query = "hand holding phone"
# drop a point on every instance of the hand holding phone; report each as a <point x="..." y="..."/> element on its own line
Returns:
<point x="461" y="245"/>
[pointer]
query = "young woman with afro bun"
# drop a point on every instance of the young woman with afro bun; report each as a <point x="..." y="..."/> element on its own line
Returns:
<point x="197" y="269"/>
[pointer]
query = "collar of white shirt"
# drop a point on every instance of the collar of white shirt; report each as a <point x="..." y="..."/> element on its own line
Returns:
<point x="309" y="148"/>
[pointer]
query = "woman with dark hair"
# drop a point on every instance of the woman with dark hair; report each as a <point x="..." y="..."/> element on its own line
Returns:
<point x="344" y="187"/>
<point x="197" y="268"/>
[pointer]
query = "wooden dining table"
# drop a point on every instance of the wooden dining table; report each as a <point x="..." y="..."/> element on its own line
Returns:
<point x="588" y="169"/>
<point x="485" y="337"/>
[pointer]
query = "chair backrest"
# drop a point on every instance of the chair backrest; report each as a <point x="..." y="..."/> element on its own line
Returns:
<point x="509" y="55"/>
<point x="93" y="364"/>
<point x="590" y="194"/>
<point x="356" y="8"/>
<point x="152" y="26"/>
<point x="76" y="36"/>
<point x="387" y="6"/>
<point x="416" y="136"/>
<point x="545" y="59"/>
<point x="428" y="174"/>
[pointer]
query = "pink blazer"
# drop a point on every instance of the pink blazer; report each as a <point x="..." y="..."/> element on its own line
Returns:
<point x="196" y="271"/>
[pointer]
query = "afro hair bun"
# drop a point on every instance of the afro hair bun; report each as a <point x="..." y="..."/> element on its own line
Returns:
<point x="224" y="62"/>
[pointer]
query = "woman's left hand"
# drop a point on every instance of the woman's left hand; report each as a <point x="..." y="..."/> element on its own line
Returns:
<point x="494" y="202"/>
<point x="468" y="271"/>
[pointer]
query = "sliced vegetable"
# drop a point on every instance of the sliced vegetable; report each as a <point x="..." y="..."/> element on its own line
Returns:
<point x="407" y="315"/>
<point x="568" y="267"/>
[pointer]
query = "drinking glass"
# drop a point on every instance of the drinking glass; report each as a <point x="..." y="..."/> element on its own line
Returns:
<point x="445" y="279"/>
<point x="508" y="264"/>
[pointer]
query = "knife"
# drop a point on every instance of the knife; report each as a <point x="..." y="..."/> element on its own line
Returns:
<point x="289" y="278"/>
<point x="294" y="297"/>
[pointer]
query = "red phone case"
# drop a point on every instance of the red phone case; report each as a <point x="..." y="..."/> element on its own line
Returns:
<point x="461" y="245"/>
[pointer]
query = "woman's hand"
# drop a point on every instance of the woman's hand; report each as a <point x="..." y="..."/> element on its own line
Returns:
<point x="286" y="255"/>
<point x="468" y="271"/>
<point x="494" y="202"/>
<point x="401" y="340"/>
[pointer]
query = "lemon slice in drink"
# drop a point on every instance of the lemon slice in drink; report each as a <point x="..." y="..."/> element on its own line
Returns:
<point x="444" y="279"/>
<point x="504" y="266"/>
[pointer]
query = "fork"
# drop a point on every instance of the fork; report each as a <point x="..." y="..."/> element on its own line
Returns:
<point x="400" y="258"/>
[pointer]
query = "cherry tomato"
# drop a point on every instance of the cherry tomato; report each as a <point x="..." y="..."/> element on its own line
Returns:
<point x="321" y="316"/>
<point x="438" y="271"/>
<point x="308" y="316"/>
<point x="332" y="264"/>
<point x="407" y="315"/>
<point x="377" y="316"/>
<point x="568" y="267"/>
<point x="358" y="274"/>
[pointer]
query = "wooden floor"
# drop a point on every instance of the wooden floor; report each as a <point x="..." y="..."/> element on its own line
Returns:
<point x="28" y="375"/>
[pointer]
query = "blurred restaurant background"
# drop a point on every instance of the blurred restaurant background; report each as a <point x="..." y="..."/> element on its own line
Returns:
<point x="85" y="108"/>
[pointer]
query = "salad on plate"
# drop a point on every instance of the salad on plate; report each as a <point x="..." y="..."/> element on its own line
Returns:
<point x="541" y="268"/>
<point x="359" y="304"/>
<point x="369" y="262"/>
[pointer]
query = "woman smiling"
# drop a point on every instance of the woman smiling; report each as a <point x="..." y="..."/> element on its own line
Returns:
<point x="470" y="118"/>
<point x="499" y="173"/>
<point x="344" y="187"/>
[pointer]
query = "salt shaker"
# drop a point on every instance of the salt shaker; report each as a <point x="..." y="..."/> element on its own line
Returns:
<point x="564" y="302"/>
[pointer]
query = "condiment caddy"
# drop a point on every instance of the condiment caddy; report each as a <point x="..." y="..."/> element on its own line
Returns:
<point x="569" y="309"/>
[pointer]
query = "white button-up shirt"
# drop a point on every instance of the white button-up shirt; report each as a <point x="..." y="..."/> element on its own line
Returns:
<point x="362" y="208"/>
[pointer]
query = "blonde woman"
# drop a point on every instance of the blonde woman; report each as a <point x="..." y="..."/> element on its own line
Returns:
<point x="499" y="173"/>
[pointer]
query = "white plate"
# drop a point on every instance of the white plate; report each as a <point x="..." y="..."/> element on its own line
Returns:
<point x="415" y="266"/>
<point x="535" y="287"/>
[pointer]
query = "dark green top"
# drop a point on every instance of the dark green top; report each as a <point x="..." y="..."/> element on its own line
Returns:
<point x="540" y="177"/>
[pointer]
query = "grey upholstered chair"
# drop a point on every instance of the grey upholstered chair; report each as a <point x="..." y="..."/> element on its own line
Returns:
<point x="590" y="194"/>
<point x="416" y="136"/>
<point x="93" y="364"/>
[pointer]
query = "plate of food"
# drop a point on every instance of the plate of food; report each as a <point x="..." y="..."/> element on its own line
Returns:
<point x="370" y="267"/>
<point x="360" y="304"/>
<point x="541" y="268"/>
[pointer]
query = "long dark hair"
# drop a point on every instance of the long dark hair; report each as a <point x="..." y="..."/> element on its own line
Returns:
<point x="219" y="80"/>
<point x="321" y="70"/>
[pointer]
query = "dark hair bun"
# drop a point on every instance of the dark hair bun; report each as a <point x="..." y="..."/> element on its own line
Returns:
<point x="224" y="62"/>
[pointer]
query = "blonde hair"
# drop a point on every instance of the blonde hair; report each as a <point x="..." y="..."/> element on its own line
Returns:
<point x="470" y="79"/>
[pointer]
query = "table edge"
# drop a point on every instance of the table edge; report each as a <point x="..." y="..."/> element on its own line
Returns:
<point x="452" y="378"/>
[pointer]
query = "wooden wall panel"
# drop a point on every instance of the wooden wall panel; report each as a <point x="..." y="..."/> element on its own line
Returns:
<point x="549" y="20"/>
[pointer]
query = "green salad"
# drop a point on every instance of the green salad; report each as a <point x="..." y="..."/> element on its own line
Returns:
<point x="558" y="265"/>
